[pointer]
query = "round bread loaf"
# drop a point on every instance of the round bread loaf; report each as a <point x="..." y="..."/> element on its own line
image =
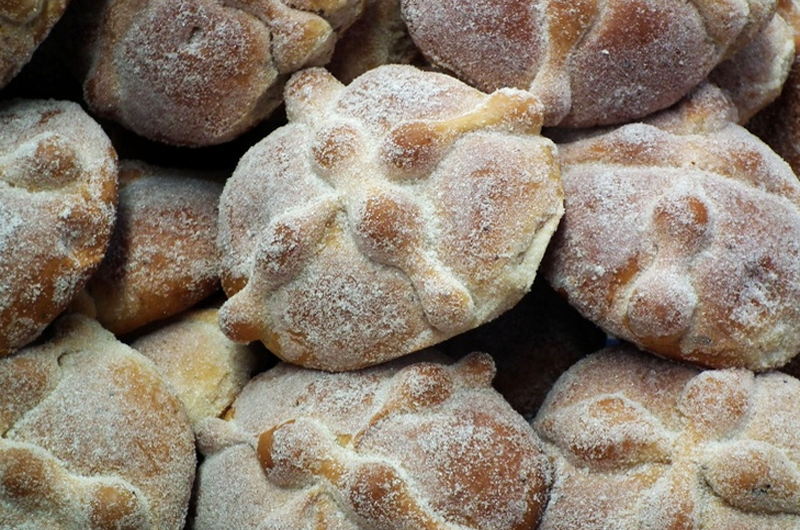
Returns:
<point x="644" y="443"/>
<point x="162" y="258"/>
<point x="58" y="193"/>
<point x="92" y="437"/>
<point x="201" y="72"/>
<point x="683" y="237"/>
<point x="385" y="217"/>
<point x="590" y="62"/>
<point x="404" y="445"/>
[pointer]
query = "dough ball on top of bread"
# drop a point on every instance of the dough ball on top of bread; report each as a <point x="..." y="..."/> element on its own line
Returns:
<point x="646" y="443"/>
<point x="682" y="235"/>
<point x="201" y="72"/>
<point x="92" y="436"/>
<point x="162" y="258"/>
<point x="591" y="62"/>
<point x="387" y="216"/>
<point x="415" y="443"/>
<point x="58" y="194"/>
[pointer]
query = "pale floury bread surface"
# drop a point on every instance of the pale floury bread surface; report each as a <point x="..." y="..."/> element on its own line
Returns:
<point x="24" y="24"/>
<point x="201" y="72"/>
<point x="682" y="235"/>
<point x="58" y="193"/>
<point x="591" y="62"/>
<point x="412" y="444"/>
<point x="385" y="217"/>
<point x="92" y="436"/>
<point x="644" y="443"/>
<point x="162" y="258"/>
<point x="754" y="76"/>
<point x="206" y="369"/>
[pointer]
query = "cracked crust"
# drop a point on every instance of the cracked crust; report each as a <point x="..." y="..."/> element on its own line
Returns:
<point x="92" y="436"/>
<point x="418" y="443"/>
<point x="58" y="193"/>
<point x="386" y="217"/>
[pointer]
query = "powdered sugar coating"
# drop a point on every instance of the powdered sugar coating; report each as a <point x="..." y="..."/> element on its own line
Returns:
<point x="591" y="63"/>
<point x="58" y="191"/>
<point x="162" y="258"/>
<point x="417" y="443"/>
<point x="754" y="76"/>
<point x="92" y="436"/>
<point x="387" y="216"/>
<point x="639" y="442"/>
<point x="203" y="72"/>
<point x="24" y="24"/>
<point x="682" y="237"/>
<point x="206" y="369"/>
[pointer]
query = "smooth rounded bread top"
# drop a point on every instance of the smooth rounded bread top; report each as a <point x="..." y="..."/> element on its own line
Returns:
<point x="416" y="443"/>
<point x="162" y="257"/>
<point x="93" y="436"/>
<point x="591" y="63"/>
<point x="641" y="442"/>
<point x="58" y="193"/>
<point x="683" y="237"/>
<point x="385" y="217"/>
<point x="203" y="72"/>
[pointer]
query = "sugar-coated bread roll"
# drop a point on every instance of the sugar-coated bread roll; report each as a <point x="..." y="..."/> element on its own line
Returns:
<point x="754" y="76"/>
<point x="683" y="236"/>
<point x="92" y="437"/>
<point x="779" y="124"/>
<point x="206" y="369"/>
<point x="24" y="24"/>
<point x="162" y="258"/>
<point x="385" y="217"/>
<point x="591" y="62"/>
<point x="415" y="443"/>
<point x="641" y="443"/>
<point x="201" y="72"/>
<point x="58" y="193"/>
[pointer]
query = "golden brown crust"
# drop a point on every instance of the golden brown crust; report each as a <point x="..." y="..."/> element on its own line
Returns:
<point x="99" y="441"/>
<point x="206" y="369"/>
<point x="162" y="258"/>
<point x="754" y="76"/>
<point x="24" y="24"/>
<point x="414" y="444"/>
<point x="386" y="217"/>
<point x="682" y="238"/>
<point x="640" y="442"/>
<point x="58" y="192"/>
<point x="590" y="62"/>
<point x="203" y="72"/>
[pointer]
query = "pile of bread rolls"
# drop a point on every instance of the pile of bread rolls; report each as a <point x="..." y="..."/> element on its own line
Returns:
<point x="399" y="264"/>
